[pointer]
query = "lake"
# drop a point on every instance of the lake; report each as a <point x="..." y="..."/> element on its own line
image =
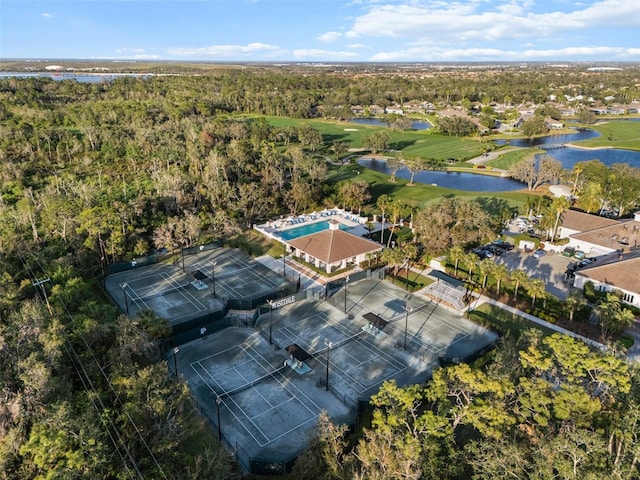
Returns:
<point x="568" y="156"/>
<point x="461" y="181"/>
<point x="416" y="124"/>
<point x="78" y="77"/>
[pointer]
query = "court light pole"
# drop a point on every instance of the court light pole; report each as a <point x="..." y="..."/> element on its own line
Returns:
<point x="326" y="382"/>
<point x="346" y="282"/>
<point x="270" y="302"/>
<point x="126" y="300"/>
<point x="218" y="402"/>
<point x="213" y="279"/>
<point x="407" y="311"/>
<point x="284" y="260"/>
<point x="175" y="360"/>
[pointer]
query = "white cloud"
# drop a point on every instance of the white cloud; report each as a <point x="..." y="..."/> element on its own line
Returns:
<point x="329" y="36"/>
<point x="357" y="45"/>
<point x="475" y="20"/>
<point x="435" y="54"/>
<point x="128" y="53"/>
<point x="226" y="51"/>
<point x="47" y="15"/>
<point x="318" y="54"/>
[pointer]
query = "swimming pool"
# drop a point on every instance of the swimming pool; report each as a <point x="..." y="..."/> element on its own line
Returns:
<point x="307" y="229"/>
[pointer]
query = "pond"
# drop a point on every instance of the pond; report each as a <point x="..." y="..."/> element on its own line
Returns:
<point x="416" y="124"/>
<point x="79" y="77"/>
<point x="568" y="156"/>
<point x="582" y="134"/>
<point x="462" y="181"/>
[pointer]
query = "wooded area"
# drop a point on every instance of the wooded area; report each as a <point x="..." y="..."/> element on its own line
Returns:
<point x="93" y="174"/>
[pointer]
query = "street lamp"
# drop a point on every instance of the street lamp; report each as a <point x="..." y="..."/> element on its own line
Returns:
<point x="284" y="260"/>
<point x="329" y="345"/>
<point x="175" y="360"/>
<point x="407" y="311"/>
<point x="126" y="300"/>
<point x="218" y="402"/>
<point x="346" y="282"/>
<point x="270" y="302"/>
<point x="213" y="279"/>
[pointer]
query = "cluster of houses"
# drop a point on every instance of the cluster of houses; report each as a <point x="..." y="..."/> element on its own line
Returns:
<point x="614" y="245"/>
<point x="525" y="112"/>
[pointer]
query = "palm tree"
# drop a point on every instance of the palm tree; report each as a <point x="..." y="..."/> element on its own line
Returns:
<point x="410" y="252"/>
<point x="396" y="209"/>
<point x="486" y="266"/>
<point x="519" y="277"/>
<point x="455" y="255"/>
<point x="536" y="288"/>
<point x="500" y="273"/>
<point x="470" y="260"/>
<point x="573" y="302"/>
<point x="557" y="208"/>
<point x="614" y="318"/>
<point x="394" y="258"/>
<point x="578" y="169"/>
<point x="383" y="203"/>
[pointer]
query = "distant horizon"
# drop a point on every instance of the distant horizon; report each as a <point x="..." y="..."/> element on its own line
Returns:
<point x="556" y="63"/>
<point x="323" y="31"/>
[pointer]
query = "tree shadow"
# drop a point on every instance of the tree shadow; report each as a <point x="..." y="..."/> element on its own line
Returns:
<point x="497" y="207"/>
<point x="401" y="144"/>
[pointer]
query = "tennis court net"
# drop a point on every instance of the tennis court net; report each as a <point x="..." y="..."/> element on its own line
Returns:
<point x="235" y="271"/>
<point x="159" y="293"/>
<point x="247" y="386"/>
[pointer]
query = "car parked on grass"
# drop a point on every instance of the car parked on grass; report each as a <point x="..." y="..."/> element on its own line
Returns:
<point x="539" y="253"/>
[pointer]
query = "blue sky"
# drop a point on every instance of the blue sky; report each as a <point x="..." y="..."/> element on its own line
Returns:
<point x="322" y="30"/>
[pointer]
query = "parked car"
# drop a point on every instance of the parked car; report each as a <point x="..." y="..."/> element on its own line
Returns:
<point x="568" y="252"/>
<point x="503" y="245"/>
<point x="539" y="253"/>
<point x="579" y="254"/>
<point x="482" y="253"/>
<point x="493" y="249"/>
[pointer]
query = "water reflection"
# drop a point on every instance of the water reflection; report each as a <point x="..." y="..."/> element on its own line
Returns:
<point x="462" y="181"/>
<point x="415" y="124"/>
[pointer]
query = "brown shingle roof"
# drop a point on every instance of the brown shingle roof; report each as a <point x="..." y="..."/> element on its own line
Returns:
<point x="620" y="235"/>
<point x="583" y="222"/>
<point x="624" y="274"/>
<point x="331" y="246"/>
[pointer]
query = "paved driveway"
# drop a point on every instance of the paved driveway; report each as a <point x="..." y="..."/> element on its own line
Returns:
<point x="549" y="268"/>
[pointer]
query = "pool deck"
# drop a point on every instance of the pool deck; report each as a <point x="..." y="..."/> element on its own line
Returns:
<point x="355" y="223"/>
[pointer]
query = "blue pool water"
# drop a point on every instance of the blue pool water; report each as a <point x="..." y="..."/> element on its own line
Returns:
<point x="307" y="229"/>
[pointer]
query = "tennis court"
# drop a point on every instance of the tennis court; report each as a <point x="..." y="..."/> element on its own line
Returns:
<point x="243" y="386"/>
<point x="207" y="281"/>
<point x="357" y="363"/>
<point x="255" y="393"/>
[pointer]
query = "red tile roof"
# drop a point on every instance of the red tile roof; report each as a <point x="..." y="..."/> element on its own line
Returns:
<point x="331" y="246"/>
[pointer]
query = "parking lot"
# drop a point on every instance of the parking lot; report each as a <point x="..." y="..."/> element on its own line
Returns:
<point x="548" y="265"/>
<point x="550" y="268"/>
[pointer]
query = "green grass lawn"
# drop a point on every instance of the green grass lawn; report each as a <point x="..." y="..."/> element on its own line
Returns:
<point x="503" y="322"/>
<point x="419" y="195"/>
<point x="616" y="135"/>
<point x="425" y="144"/>
<point x="507" y="159"/>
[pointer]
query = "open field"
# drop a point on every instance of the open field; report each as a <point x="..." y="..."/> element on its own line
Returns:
<point x="418" y="195"/>
<point x="615" y="135"/>
<point x="423" y="143"/>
